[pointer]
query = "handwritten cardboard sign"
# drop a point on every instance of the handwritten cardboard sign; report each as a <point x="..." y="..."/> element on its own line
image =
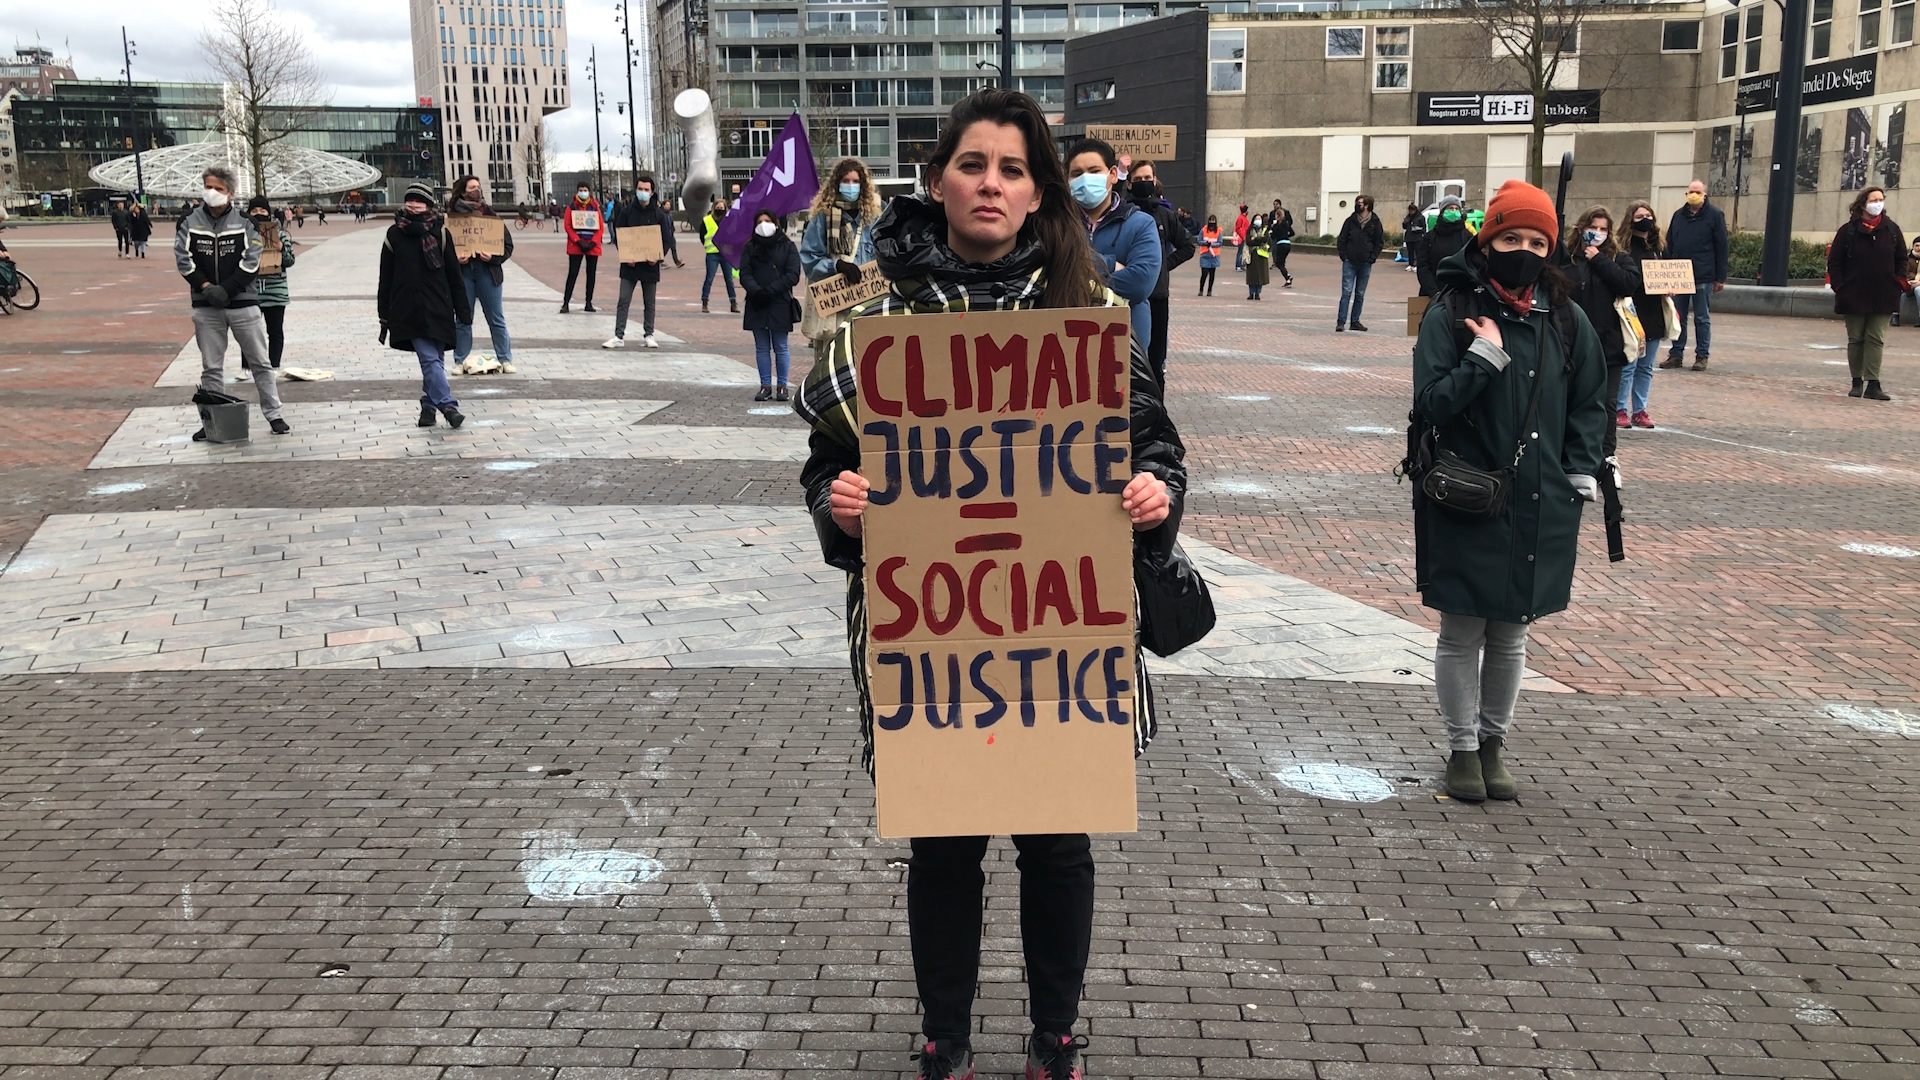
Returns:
<point x="271" y="257"/>
<point x="583" y="220"/>
<point x="834" y="294"/>
<point x="639" y="243"/>
<point x="478" y="234"/>
<point x="1667" y="277"/>
<point x="1142" y="142"/>
<point x="1416" y="311"/>
<point x="999" y="571"/>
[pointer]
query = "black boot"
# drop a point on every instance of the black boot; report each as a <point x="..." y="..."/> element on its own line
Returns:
<point x="1859" y="385"/>
<point x="454" y="417"/>
<point x="428" y="416"/>
<point x="1874" y="392"/>
<point x="1464" y="780"/>
<point x="1493" y="770"/>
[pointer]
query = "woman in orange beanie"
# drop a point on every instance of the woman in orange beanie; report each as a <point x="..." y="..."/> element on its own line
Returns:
<point x="1509" y="391"/>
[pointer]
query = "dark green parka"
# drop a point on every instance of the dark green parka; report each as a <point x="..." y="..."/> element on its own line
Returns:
<point x="1517" y="567"/>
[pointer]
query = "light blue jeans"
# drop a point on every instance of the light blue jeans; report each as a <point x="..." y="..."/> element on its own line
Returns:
<point x="1698" y="303"/>
<point x="486" y="299"/>
<point x="1637" y="380"/>
<point x="769" y="351"/>
<point x="434" y="390"/>
<point x="717" y="263"/>
<point x="1353" y="287"/>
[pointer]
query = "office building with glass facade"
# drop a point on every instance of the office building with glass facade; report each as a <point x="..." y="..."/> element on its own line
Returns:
<point x="494" y="69"/>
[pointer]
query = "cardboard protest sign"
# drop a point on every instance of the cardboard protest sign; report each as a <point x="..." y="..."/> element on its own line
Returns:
<point x="271" y="258"/>
<point x="1416" y="310"/>
<point x="639" y="243"/>
<point x="835" y="294"/>
<point x="1667" y="277"/>
<point x="999" y="570"/>
<point x="583" y="220"/>
<point x="1141" y="142"/>
<point x="478" y="234"/>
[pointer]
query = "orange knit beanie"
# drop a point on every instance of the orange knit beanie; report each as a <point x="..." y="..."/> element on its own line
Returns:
<point x="1519" y="205"/>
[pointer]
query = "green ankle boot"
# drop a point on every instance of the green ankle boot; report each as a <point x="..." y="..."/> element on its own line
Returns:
<point x="1463" y="777"/>
<point x="1499" y="782"/>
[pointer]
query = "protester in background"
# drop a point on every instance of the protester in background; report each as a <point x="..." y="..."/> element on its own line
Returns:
<point x="422" y="296"/>
<point x="1697" y="233"/>
<point x="997" y="232"/>
<point x="1867" y="270"/>
<point x="1909" y="306"/>
<point x="484" y="277"/>
<point x="1187" y="223"/>
<point x="274" y="295"/>
<point x="1601" y="275"/>
<point x="320" y="212"/>
<point x="139" y="229"/>
<point x="1209" y="255"/>
<point x="1360" y="242"/>
<point x="639" y="212"/>
<point x="1643" y="243"/>
<point x="709" y="236"/>
<point x="583" y="243"/>
<point x="838" y="240"/>
<point x="122" y="230"/>
<point x="1280" y="241"/>
<point x="1413" y="235"/>
<point x="1125" y="240"/>
<point x="218" y="251"/>
<point x="1493" y="576"/>
<point x="1176" y="247"/>
<point x="1258" y="254"/>
<point x="769" y="269"/>
<point x="1240" y="225"/>
<point x="1448" y="236"/>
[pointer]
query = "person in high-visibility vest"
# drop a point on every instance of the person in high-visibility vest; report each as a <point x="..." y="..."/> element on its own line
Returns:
<point x="709" y="227"/>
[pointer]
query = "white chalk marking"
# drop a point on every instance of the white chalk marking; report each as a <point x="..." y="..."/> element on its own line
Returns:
<point x="557" y="870"/>
<point x="713" y="909"/>
<point x="1364" y="430"/>
<point x="1324" y="780"/>
<point x="1879" y="721"/>
<point x="1885" y="551"/>
<point x="117" y="489"/>
<point x="768" y="412"/>
<point x="186" y="902"/>
<point x="1237" y="487"/>
<point x="512" y="466"/>
<point x="1248" y="397"/>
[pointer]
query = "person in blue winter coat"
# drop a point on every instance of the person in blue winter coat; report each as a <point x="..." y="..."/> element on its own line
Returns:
<point x="1126" y="241"/>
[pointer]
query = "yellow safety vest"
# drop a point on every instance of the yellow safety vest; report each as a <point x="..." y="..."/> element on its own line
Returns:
<point x="710" y="229"/>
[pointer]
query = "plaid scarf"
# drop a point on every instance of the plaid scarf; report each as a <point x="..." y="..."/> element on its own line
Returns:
<point x="425" y="226"/>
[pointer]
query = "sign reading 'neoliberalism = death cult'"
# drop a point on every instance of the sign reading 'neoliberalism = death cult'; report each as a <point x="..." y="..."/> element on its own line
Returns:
<point x="1139" y="141"/>
<point x="999" y="570"/>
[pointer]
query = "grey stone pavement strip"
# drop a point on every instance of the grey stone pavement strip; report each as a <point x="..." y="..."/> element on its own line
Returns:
<point x="1686" y="890"/>
<point x="546" y="586"/>
<point x="503" y="428"/>
<point x="377" y="363"/>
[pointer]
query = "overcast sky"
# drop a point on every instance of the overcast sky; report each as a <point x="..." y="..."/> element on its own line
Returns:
<point x="362" y="47"/>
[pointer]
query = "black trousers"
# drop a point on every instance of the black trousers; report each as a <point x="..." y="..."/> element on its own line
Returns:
<point x="1157" y="339"/>
<point x="1280" y="252"/>
<point x="1206" y="279"/>
<point x="276" y="318"/>
<point x="573" y="271"/>
<point x="945" y="891"/>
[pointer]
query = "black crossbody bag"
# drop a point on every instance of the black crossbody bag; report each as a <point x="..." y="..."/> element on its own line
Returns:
<point x="1465" y="490"/>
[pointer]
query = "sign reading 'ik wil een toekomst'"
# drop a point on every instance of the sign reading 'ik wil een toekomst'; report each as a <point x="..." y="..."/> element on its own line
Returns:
<point x="999" y="570"/>
<point x="834" y="293"/>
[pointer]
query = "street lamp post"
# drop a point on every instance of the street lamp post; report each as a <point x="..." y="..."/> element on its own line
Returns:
<point x="593" y="77"/>
<point x="633" y="137"/>
<point x="1006" y="44"/>
<point x="133" y="108"/>
<point x="1776" y="244"/>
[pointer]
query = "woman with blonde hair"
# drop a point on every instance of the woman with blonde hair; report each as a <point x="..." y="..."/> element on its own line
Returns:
<point x="838" y="240"/>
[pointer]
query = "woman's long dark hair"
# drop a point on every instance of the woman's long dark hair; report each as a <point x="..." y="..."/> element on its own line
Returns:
<point x="1651" y="236"/>
<point x="1057" y="226"/>
<point x="1859" y="208"/>
<point x="460" y="192"/>
<point x="1558" y="285"/>
<point x="1585" y="221"/>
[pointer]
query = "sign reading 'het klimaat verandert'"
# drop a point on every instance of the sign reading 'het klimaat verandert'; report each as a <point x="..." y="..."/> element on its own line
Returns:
<point x="1471" y="107"/>
<point x="999" y="570"/>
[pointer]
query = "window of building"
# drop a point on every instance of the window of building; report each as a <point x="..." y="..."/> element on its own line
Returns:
<point x="1093" y="93"/>
<point x="1756" y="25"/>
<point x="736" y="59"/>
<point x="964" y="55"/>
<point x="1392" y="58"/>
<point x="952" y="90"/>
<point x="1039" y="54"/>
<point x="850" y="93"/>
<point x="1091" y="18"/>
<point x="1045" y="89"/>
<point x="1820" y="39"/>
<point x="1135" y="13"/>
<point x="915" y="20"/>
<point x="1346" y="42"/>
<point x="914" y="92"/>
<point x="776" y="58"/>
<point x="1043" y="20"/>
<point x="775" y="23"/>
<point x="1226" y="61"/>
<point x="1869" y="25"/>
<point x="1729" y="45"/>
<point x="846" y="22"/>
<point x="1682" y="35"/>
<point x="776" y="93"/>
<point x="918" y="134"/>
<point x="914" y="56"/>
<point x="1900" y="30"/>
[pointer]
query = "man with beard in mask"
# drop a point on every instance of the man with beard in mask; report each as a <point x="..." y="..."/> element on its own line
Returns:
<point x="217" y="249"/>
<point x="1176" y="247"/>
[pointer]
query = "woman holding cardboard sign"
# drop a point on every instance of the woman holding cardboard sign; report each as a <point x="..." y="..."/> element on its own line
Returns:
<point x="838" y="240"/>
<point x="484" y="275"/>
<point x="584" y="225"/>
<point x="639" y="212"/>
<point x="998" y="232"/>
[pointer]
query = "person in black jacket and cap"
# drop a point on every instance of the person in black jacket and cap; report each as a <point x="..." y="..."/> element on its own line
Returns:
<point x="1360" y="243"/>
<point x="1176" y="247"/>
<point x="422" y="296"/>
<point x="769" y="269"/>
<point x="1448" y="235"/>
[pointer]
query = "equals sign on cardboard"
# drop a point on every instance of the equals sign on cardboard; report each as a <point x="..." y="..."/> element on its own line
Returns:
<point x="993" y="541"/>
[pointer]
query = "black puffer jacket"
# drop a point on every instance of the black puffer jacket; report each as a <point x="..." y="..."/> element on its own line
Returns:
<point x="1442" y="243"/>
<point x="418" y="299"/>
<point x="1597" y="283"/>
<point x="769" y="269"/>
<point x="631" y="214"/>
<point x="1361" y="242"/>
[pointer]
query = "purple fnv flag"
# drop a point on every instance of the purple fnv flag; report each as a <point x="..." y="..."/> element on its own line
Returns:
<point x="786" y="182"/>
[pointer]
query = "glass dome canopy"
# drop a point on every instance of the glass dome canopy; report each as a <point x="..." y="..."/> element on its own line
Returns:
<point x="175" y="172"/>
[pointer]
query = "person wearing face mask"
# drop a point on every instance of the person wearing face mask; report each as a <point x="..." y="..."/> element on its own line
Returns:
<point x="1209" y="254"/>
<point x="639" y="212"/>
<point x="1257" y="255"/>
<point x="139" y="229"/>
<point x="716" y="260"/>
<point x="769" y="269"/>
<point x="1505" y="365"/>
<point x="274" y="295"/>
<point x="484" y="277"/>
<point x="838" y="240"/>
<point x="1448" y="235"/>
<point x="583" y="243"/>
<point x="1697" y="233"/>
<point x="1601" y="274"/>
<point x="998" y="231"/>
<point x="1240" y="226"/>
<point x="1176" y="247"/>
<point x="1909" y="303"/>
<point x="1361" y="241"/>
<point x="1643" y="243"/>
<point x="217" y="250"/>
<point x="422" y="296"/>
<point x="1124" y="238"/>
<point x="1280" y="242"/>
<point x="1867" y="270"/>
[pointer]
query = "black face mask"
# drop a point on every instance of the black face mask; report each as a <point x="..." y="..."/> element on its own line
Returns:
<point x="1142" y="189"/>
<point x="1516" y="269"/>
<point x="1643" y="224"/>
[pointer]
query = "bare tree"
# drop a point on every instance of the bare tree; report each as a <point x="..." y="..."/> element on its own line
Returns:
<point x="539" y="156"/>
<point x="277" y="86"/>
<point x="1536" y="45"/>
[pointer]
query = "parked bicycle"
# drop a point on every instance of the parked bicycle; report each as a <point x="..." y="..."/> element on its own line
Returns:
<point x="17" y="290"/>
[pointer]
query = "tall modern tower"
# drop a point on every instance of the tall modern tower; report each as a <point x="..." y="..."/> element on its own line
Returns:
<point x="493" y="68"/>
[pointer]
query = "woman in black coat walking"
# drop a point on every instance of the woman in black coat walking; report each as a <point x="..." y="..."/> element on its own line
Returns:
<point x="421" y="296"/>
<point x="769" y="269"/>
<point x="1601" y="274"/>
<point x="1867" y="269"/>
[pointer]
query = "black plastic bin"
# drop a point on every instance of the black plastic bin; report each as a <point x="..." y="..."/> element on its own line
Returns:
<point x="222" y="415"/>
